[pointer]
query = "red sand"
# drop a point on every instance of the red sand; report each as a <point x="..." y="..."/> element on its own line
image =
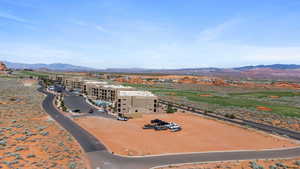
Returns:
<point x="198" y="135"/>
<point x="263" y="108"/>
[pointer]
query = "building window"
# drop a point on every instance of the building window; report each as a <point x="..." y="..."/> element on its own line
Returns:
<point x="155" y="101"/>
<point x="154" y="110"/>
<point x="136" y="110"/>
<point x="119" y="100"/>
<point x="119" y="110"/>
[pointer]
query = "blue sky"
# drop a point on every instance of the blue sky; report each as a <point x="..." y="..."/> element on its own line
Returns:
<point x="150" y="33"/>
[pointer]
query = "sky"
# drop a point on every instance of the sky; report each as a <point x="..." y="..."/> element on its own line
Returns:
<point x="150" y="33"/>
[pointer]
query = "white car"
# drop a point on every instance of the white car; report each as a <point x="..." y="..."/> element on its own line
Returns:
<point x="122" y="118"/>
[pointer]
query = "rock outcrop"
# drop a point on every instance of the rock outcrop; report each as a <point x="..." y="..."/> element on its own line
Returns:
<point x="3" y="67"/>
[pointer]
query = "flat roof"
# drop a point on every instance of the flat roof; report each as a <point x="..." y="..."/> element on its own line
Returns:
<point x="117" y="86"/>
<point x="136" y="93"/>
<point x="94" y="82"/>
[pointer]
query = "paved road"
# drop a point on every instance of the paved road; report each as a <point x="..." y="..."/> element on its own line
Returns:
<point x="102" y="159"/>
<point x="73" y="102"/>
<point x="87" y="141"/>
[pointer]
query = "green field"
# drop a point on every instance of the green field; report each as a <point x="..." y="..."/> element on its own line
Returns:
<point x="36" y="74"/>
<point x="247" y="100"/>
<point x="267" y="94"/>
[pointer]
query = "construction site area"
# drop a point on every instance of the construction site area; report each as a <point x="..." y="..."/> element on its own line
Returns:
<point x="199" y="134"/>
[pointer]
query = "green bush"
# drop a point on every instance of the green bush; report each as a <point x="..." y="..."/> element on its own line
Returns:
<point x="229" y="115"/>
<point x="170" y="109"/>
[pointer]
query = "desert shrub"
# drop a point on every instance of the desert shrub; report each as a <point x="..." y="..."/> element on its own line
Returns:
<point x="272" y="167"/>
<point x="254" y="165"/>
<point x="22" y="138"/>
<point x="3" y="142"/>
<point x="44" y="133"/>
<point x="72" y="165"/>
<point x="20" y="148"/>
<point x="64" y="108"/>
<point x="280" y="165"/>
<point x="41" y="128"/>
<point x="31" y="156"/>
<point x="230" y="115"/>
<point x="170" y="109"/>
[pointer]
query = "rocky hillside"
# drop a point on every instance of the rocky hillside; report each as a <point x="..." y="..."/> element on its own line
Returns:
<point x="3" y="67"/>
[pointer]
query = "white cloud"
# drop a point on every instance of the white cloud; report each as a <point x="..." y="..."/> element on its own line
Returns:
<point x="80" y="23"/>
<point x="215" y="32"/>
<point x="89" y="25"/>
<point x="8" y="16"/>
<point x="100" y="28"/>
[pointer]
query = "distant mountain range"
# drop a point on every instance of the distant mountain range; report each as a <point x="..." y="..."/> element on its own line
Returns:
<point x="53" y="66"/>
<point x="69" y="67"/>
<point x="275" y="71"/>
<point x="275" y="66"/>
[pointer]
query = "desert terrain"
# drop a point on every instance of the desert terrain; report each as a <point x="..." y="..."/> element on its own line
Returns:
<point x="28" y="136"/>
<point x="199" y="134"/>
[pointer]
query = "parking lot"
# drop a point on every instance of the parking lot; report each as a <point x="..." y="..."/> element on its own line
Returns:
<point x="198" y="134"/>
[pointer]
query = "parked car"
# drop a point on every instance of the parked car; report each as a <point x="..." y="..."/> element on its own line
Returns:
<point x="162" y="123"/>
<point x="160" y="128"/>
<point x="122" y="118"/>
<point x="51" y="88"/>
<point x="148" y="126"/>
<point x="76" y="111"/>
<point x="155" y="121"/>
<point x="176" y="129"/>
<point x="91" y="111"/>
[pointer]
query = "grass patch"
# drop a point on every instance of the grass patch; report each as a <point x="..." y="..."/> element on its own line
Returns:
<point x="232" y="101"/>
<point x="267" y="94"/>
<point x="36" y="74"/>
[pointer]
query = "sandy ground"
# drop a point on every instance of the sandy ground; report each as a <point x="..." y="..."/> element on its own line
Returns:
<point x="277" y="164"/>
<point x="29" y="138"/>
<point x="199" y="134"/>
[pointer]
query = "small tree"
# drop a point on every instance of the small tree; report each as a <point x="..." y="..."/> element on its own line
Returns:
<point x="170" y="109"/>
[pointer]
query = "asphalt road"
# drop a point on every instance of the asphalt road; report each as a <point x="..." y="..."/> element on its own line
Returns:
<point x="100" y="158"/>
<point x="86" y="140"/>
<point x="73" y="102"/>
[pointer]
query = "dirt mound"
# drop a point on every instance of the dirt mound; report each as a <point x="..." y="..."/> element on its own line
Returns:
<point x="263" y="108"/>
<point x="205" y="95"/>
<point x="274" y="97"/>
<point x="29" y="82"/>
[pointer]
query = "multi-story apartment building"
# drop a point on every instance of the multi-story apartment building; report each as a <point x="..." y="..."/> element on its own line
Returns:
<point x="73" y="83"/>
<point x="129" y="102"/>
<point x="125" y="100"/>
<point x="91" y="88"/>
<point x="57" y="78"/>
<point x="104" y="92"/>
